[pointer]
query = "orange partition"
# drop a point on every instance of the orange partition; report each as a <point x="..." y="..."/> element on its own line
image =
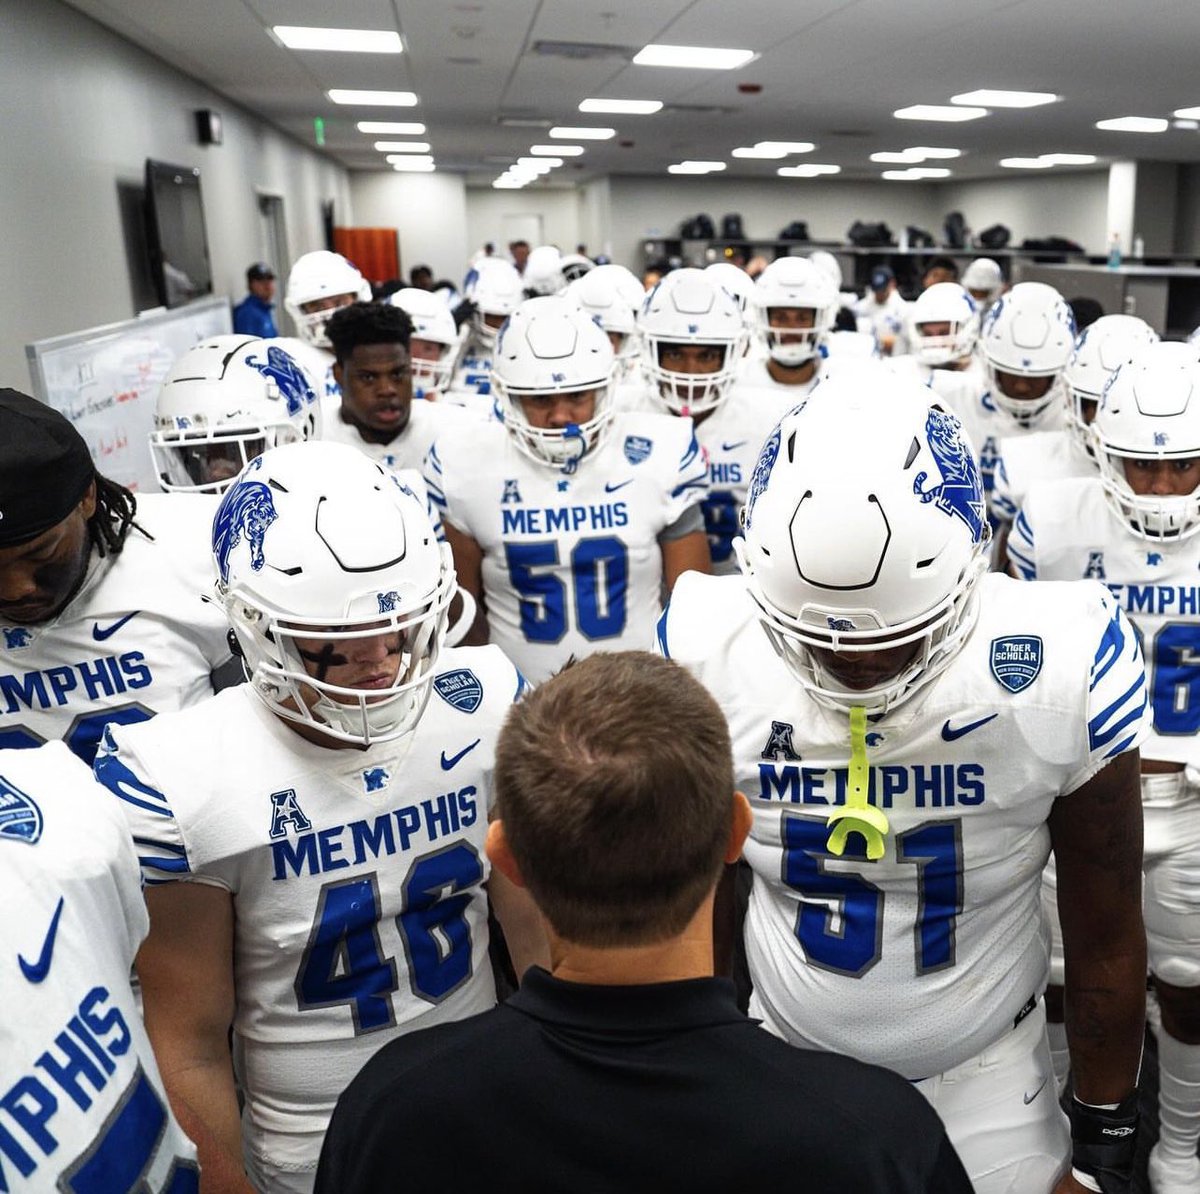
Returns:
<point x="375" y="251"/>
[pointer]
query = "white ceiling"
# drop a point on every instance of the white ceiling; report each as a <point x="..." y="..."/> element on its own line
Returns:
<point x="831" y="71"/>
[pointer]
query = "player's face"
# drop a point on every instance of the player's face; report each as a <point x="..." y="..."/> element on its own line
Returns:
<point x="331" y="302"/>
<point x="556" y="412"/>
<point x="935" y="329"/>
<point x="1023" y="389"/>
<point x="791" y="318"/>
<point x="696" y="359"/>
<point x="934" y="276"/>
<point x="981" y="297"/>
<point x="494" y="319"/>
<point x="861" y="670"/>
<point x="367" y="663"/>
<point x="38" y="578"/>
<point x="1163" y="478"/>
<point x="617" y="340"/>
<point x="424" y="350"/>
<point x="376" y="381"/>
<point x="210" y="464"/>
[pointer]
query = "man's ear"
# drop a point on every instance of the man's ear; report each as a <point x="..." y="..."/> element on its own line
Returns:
<point x="337" y="373"/>
<point x="739" y="827"/>
<point x="501" y="856"/>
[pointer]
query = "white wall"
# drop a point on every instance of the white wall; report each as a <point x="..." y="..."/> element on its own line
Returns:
<point x="1187" y="211"/>
<point x="645" y="207"/>
<point x="1074" y="205"/>
<point x="82" y="110"/>
<point x="595" y="216"/>
<point x="558" y="208"/>
<point x="428" y="210"/>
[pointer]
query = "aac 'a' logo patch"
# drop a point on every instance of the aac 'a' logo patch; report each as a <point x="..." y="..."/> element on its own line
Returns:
<point x="1017" y="660"/>
<point x="637" y="448"/>
<point x="460" y="688"/>
<point x="20" y="817"/>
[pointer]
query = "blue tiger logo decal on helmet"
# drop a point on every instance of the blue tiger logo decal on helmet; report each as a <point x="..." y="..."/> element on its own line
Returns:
<point x="762" y="472"/>
<point x="246" y="512"/>
<point x="960" y="492"/>
<point x="288" y="377"/>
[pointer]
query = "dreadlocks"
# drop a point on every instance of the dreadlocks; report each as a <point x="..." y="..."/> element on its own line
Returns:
<point x="115" y="510"/>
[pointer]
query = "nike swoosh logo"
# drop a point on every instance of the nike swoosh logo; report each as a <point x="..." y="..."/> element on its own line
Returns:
<point x="950" y="733"/>
<point x="610" y="488"/>
<point x="1030" y="1097"/>
<point x="100" y="633"/>
<point x="448" y="763"/>
<point x="35" y="972"/>
<point x="730" y="447"/>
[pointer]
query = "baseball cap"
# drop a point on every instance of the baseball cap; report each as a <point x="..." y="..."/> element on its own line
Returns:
<point x="881" y="275"/>
<point x="45" y="468"/>
<point x="259" y="271"/>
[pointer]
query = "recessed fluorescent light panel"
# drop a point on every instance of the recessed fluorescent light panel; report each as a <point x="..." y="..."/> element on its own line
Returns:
<point x="405" y="159"/>
<point x="395" y="128"/>
<point x="696" y="57"/>
<point x="914" y="173"/>
<point x="402" y="146"/>
<point x="1025" y="163"/>
<point x="946" y="112"/>
<point x="917" y="153"/>
<point x="1133" y="124"/>
<point x="539" y="163"/>
<point x="351" y="41"/>
<point x="773" y="150"/>
<point x="1046" y="160"/>
<point x="1187" y="113"/>
<point x="413" y="166"/>
<point x="620" y="107"/>
<point x="807" y="170"/>
<point x="695" y="167"/>
<point x="986" y="98"/>
<point x="562" y="151"/>
<point x="382" y="99"/>
<point x="571" y="133"/>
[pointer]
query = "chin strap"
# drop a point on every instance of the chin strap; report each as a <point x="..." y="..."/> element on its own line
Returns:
<point x="858" y="815"/>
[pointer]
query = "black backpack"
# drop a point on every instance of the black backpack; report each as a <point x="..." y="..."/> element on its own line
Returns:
<point x="731" y="227"/>
<point x="955" y="229"/>
<point x="796" y="230"/>
<point x="869" y="236"/>
<point x="995" y="237"/>
<point x="698" y="228"/>
<point x="918" y="238"/>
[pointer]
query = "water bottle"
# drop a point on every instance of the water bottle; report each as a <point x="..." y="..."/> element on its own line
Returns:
<point x="1114" y="251"/>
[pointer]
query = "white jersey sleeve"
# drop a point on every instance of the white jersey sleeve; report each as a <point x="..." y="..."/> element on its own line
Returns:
<point x="137" y="639"/>
<point x="82" y="1104"/>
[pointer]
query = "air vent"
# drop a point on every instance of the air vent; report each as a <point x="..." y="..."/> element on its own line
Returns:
<point x="581" y="51"/>
<point x="853" y="134"/>
<point x="700" y="109"/>
<point x="513" y="120"/>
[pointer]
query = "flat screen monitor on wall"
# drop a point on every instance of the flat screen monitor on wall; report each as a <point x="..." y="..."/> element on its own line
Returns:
<point x="176" y="234"/>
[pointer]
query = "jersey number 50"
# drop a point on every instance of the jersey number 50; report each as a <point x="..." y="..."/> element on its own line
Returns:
<point x="599" y="577"/>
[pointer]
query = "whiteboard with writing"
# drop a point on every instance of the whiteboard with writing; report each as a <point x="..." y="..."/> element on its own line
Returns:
<point x="105" y="380"/>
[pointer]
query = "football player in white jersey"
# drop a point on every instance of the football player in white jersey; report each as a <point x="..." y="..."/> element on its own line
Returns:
<point x="317" y="880"/>
<point x="568" y="519"/>
<point x="693" y="339"/>
<point x="82" y="1105"/>
<point x="1134" y="525"/>
<point x="495" y="290"/>
<point x="612" y="295"/>
<point x="791" y="312"/>
<point x="943" y="329"/>
<point x="1026" y="341"/>
<point x="377" y="413"/>
<point x="101" y="610"/>
<point x="1067" y="452"/>
<point x="915" y="735"/>
<point x="224" y="402"/>
<point x="984" y="281"/>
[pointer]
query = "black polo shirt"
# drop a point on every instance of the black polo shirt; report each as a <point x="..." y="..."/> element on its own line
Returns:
<point x="659" y="1088"/>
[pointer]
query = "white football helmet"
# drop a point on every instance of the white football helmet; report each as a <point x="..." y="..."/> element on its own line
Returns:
<point x="496" y="289"/>
<point x="549" y="345"/>
<point x="317" y="542"/>
<point x="689" y="307"/>
<point x="574" y="266"/>
<point x="224" y="402"/>
<point x="794" y="282"/>
<point x="433" y="323"/>
<point x="611" y="295"/>
<point x="865" y="529"/>
<point x="984" y="280"/>
<point x="543" y="272"/>
<point x="1029" y="332"/>
<point x="949" y="303"/>
<point x="829" y="265"/>
<point x="1150" y="410"/>
<point x="735" y="280"/>
<point x="1098" y="350"/>
<point x="316" y="276"/>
